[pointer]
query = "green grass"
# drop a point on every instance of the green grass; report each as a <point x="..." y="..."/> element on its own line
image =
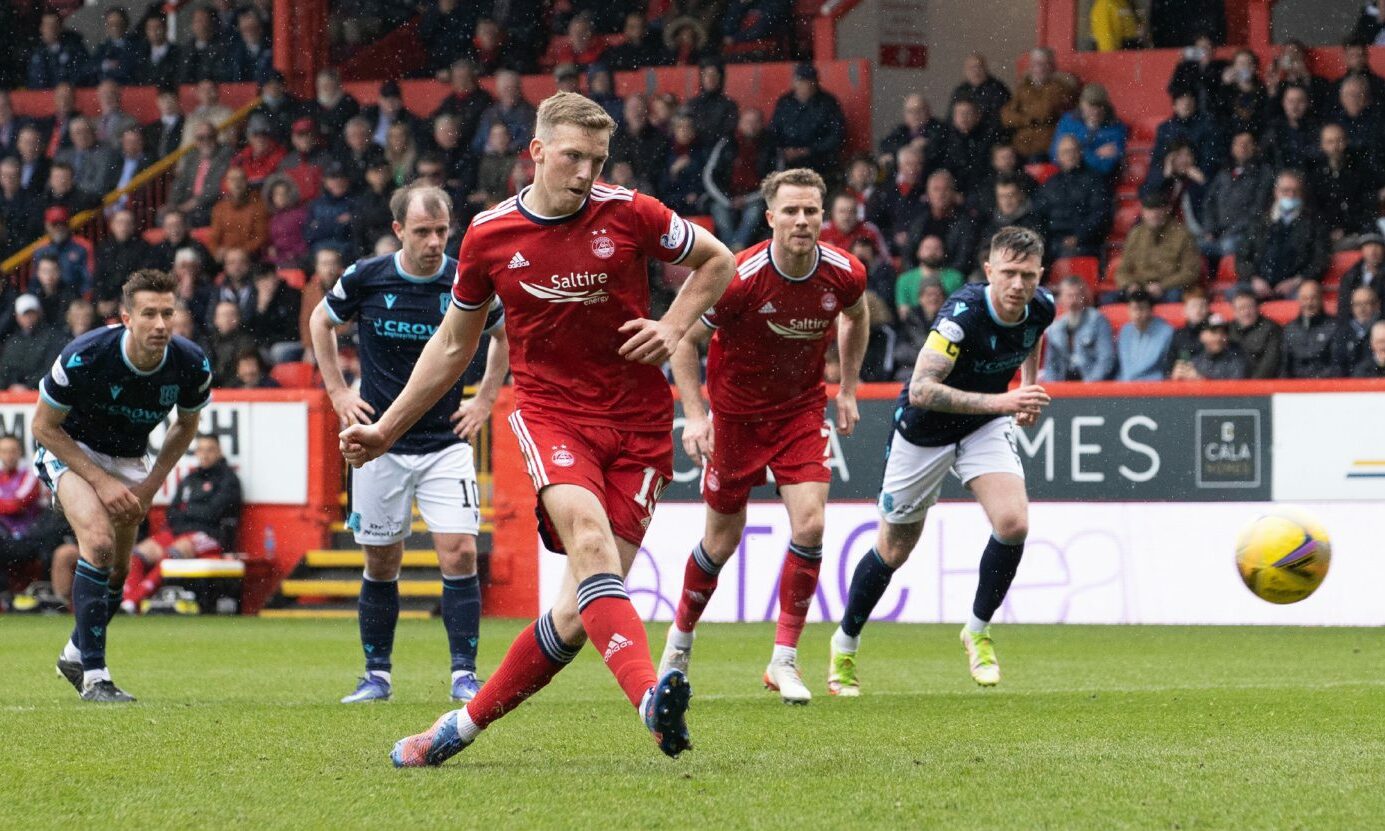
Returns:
<point x="1093" y="727"/>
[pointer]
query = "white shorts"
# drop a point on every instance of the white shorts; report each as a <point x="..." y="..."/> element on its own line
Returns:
<point x="128" y="472"/>
<point x="914" y="475"/>
<point x="443" y="483"/>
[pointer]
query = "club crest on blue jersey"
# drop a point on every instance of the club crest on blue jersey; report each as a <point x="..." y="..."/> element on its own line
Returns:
<point x="168" y="395"/>
<point x="444" y="300"/>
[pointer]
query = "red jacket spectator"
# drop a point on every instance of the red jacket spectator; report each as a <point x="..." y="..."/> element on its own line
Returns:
<point x="262" y="154"/>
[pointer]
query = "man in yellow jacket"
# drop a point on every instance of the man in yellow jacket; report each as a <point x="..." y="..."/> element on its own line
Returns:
<point x="1116" y="24"/>
<point x="1160" y="256"/>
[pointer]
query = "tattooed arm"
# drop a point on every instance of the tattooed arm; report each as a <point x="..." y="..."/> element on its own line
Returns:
<point x="927" y="390"/>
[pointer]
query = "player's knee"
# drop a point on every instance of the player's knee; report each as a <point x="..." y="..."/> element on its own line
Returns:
<point x="382" y="564"/>
<point x="99" y="548"/>
<point x="807" y="529"/>
<point x="588" y="540"/>
<point x="1011" y="530"/>
<point x="458" y="557"/>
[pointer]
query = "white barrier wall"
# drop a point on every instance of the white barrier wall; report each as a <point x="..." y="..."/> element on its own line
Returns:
<point x="1169" y="563"/>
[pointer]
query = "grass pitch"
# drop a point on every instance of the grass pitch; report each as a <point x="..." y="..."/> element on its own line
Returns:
<point x="1092" y="727"/>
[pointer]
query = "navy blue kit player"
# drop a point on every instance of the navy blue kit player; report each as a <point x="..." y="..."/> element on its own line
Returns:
<point x="104" y="395"/>
<point x="398" y="302"/>
<point x="956" y="414"/>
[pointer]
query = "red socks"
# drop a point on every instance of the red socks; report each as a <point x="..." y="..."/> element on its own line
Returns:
<point x="535" y="657"/>
<point x="615" y="629"/>
<point x="699" y="581"/>
<point x="798" y="581"/>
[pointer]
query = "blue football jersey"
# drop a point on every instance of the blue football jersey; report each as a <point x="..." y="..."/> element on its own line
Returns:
<point x="396" y="314"/>
<point x="988" y="351"/>
<point x="111" y="406"/>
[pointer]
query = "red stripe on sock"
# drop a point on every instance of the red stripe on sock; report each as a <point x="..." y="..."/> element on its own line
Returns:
<point x="615" y="629"/>
<point x="524" y="671"/>
<point x="798" y="581"/>
<point x="698" y="586"/>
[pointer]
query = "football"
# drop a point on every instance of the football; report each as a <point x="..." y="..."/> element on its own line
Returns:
<point x="1283" y="556"/>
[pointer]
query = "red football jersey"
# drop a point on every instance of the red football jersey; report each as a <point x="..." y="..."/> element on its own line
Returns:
<point x="568" y="285"/>
<point x="767" y="354"/>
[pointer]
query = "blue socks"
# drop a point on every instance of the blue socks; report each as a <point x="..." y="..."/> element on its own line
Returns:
<point x="461" y="614"/>
<point x="999" y="562"/>
<point x="868" y="585"/>
<point x="91" y="599"/>
<point x="378" y="615"/>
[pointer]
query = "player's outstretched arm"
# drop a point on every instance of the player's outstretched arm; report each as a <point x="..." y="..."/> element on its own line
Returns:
<point x="927" y="390"/>
<point x="176" y="443"/>
<point x="441" y="363"/>
<point x="853" y="335"/>
<point x="687" y="377"/>
<point x="1029" y="375"/>
<point x="652" y="342"/>
<point x="474" y="412"/>
<point x="350" y="407"/>
<point x="120" y="503"/>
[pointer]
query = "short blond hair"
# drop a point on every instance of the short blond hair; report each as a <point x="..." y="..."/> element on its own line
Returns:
<point x="571" y="108"/>
<point x="799" y="176"/>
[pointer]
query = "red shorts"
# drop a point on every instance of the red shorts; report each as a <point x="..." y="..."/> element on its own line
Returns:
<point x="203" y="545"/>
<point x="795" y="448"/>
<point x="626" y="470"/>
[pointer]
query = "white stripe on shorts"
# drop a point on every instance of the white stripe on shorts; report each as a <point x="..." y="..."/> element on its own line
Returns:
<point x="531" y="450"/>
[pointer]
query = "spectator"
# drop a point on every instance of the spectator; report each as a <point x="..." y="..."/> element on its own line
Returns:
<point x="252" y="373"/>
<point x="227" y="342"/>
<point x="1144" y="343"/>
<point x="287" y="220"/>
<point x="1308" y="337"/>
<point x="1285" y="247"/>
<point x="731" y="179"/>
<point x="467" y="101"/>
<point x="121" y="253"/>
<point x="966" y="149"/>
<point x="808" y="124"/>
<point x="845" y="226"/>
<point x="1177" y="23"/>
<point x="329" y="215"/>
<point x="1100" y="135"/>
<point x="1260" y="339"/>
<point x="431" y="168"/>
<point x="165" y="134"/>
<point x="747" y="21"/>
<point x="59" y="57"/>
<point x="1292" y="70"/>
<point x="193" y="290"/>
<point x="494" y="170"/>
<point x="327" y="269"/>
<point x="333" y="106"/>
<point x="931" y="257"/>
<point x="1358" y="114"/>
<point x="685" y="41"/>
<point x="10" y="125"/>
<point x="358" y="151"/>
<point x="18" y="209"/>
<point x="30" y="349"/>
<point x="1183" y="182"/>
<point x="1076" y="205"/>
<point x="113" y="119"/>
<point x="1358" y="65"/>
<point x="1218" y="360"/>
<point x="1004" y="165"/>
<point x="209" y="109"/>
<point x="1078" y="345"/>
<point x="80" y="319"/>
<point x="33" y="165"/>
<point x="176" y="237"/>
<point x="388" y="111"/>
<point x="946" y="215"/>
<point x="663" y="106"/>
<point x="1160" y="254"/>
<point x="261" y="155"/>
<point x="1369" y="272"/>
<point x="459" y="166"/>
<point x="1116" y="25"/>
<point x="1199" y="72"/>
<point x="567" y="78"/>
<point x="1373" y="365"/>
<point x="1351" y="343"/>
<point x="978" y="84"/>
<point x="117" y="57"/>
<point x="893" y="209"/>
<point x="1238" y="194"/>
<point x="304" y="163"/>
<point x="234" y="282"/>
<point x="48" y="286"/>
<point x="131" y="161"/>
<point x="1242" y="99"/>
<point x="636" y="48"/>
<point x="371" y="216"/>
<point x="492" y="50"/>
<point x="1289" y="138"/>
<point x="239" y="218"/>
<point x="1033" y="111"/>
<point x="204" y="55"/>
<point x="1191" y="126"/>
<point x="880" y="274"/>
<point x="198" y="174"/>
<point x="202" y="519"/>
<point x="915" y="322"/>
<point x="158" y="60"/>
<point x="579" y="48"/>
<point x="1012" y="207"/>
<point x="277" y="107"/>
<point x="1187" y="339"/>
<point x="58" y="126"/>
<point x="445" y="28"/>
<point x="73" y="255"/>
<point x="680" y="181"/>
<point x="272" y="319"/>
<point x="714" y="113"/>
<point x="29" y="530"/>
<point x="1341" y="186"/>
<point x="918" y="129"/>
<point x="862" y="175"/>
<point x="509" y="107"/>
<point x="62" y="192"/>
<point x="93" y="165"/>
<point x="637" y="142"/>
<point x="401" y="151"/>
<point x="250" y="58"/>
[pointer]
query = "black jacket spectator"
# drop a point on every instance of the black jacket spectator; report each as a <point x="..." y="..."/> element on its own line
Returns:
<point x="989" y="96"/>
<point x="274" y="320"/>
<point x="250" y="58"/>
<point x="639" y="144"/>
<point x="1198" y="130"/>
<point x="202" y="60"/>
<point x="1226" y="365"/>
<point x="1201" y="77"/>
<point x="117" y="58"/>
<point x="278" y="107"/>
<point x="1351" y="344"/>
<point x="959" y="229"/>
<point x="160" y="61"/>
<point x="1262" y="343"/>
<point x="1308" y="347"/>
<point x="27" y="354"/>
<point x="161" y="255"/>
<point x="332" y="118"/>
<point x="162" y="137"/>
<point x="1278" y="251"/>
<point x="1342" y="191"/>
<point x="1235" y="197"/>
<point x="1368" y="368"/>
<point x="19" y="212"/>
<point x="1290" y="141"/>
<point x="933" y="133"/>
<point x="809" y="125"/>
<point x="467" y="102"/>
<point x="445" y="29"/>
<point x="116" y="261"/>
<point x="712" y="111"/>
<point x="1075" y="203"/>
<point x="893" y="207"/>
<point x="966" y="148"/>
<point x="208" y="499"/>
<point x="638" y="47"/>
<point x="1360" y="274"/>
<point x="64" y="58"/>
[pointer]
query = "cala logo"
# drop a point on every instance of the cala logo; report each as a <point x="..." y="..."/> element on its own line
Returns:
<point x="577" y="287"/>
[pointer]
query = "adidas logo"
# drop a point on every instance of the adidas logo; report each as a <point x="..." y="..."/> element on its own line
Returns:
<point x="768" y="309"/>
<point x="518" y="261"/>
<point x="618" y="642"/>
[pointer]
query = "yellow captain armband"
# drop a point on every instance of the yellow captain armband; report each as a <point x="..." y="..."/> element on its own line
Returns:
<point x="942" y="345"/>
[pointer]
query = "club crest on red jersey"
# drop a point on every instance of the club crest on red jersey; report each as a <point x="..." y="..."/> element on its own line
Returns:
<point x="603" y="247"/>
<point x="829" y="302"/>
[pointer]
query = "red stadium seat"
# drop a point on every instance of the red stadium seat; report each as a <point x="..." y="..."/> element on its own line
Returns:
<point x="1116" y="314"/>
<point x="1341" y="264"/>
<point x="153" y="236"/>
<point x="294" y="375"/>
<point x="1226" y="273"/>
<point x="294" y="277"/>
<point x="705" y="221"/>
<point x="1088" y="268"/>
<point x="1144" y="129"/>
<point x="1221" y="307"/>
<point x="1041" y="171"/>
<point x="202" y="235"/>
<point x="1126" y="218"/>
<point x="1135" y="169"/>
<point x="1112" y="263"/>
<point x="1280" y="311"/>
<point x="1172" y="312"/>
